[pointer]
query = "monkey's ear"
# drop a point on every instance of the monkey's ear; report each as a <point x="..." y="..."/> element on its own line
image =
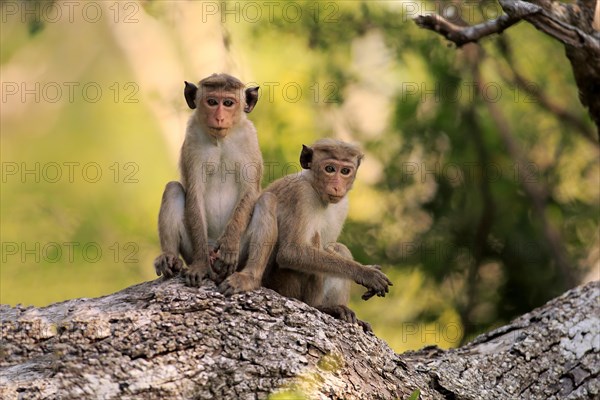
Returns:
<point x="306" y="157"/>
<point x="359" y="159"/>
<point x="190" y="94"/>
<point x="251" y="98"/>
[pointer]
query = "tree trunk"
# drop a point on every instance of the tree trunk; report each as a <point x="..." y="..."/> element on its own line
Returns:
<point x="161" y="339"/>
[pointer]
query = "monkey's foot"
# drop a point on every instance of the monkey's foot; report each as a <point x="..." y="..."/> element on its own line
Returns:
<point x="344" y="313"/>
<point x="196" y="272"/>
<point x="238" y="282"/>
<point x="167" y="265"/>
<point x="365" y="325"/>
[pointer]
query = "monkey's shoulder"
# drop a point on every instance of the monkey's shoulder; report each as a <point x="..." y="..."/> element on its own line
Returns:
<point x="292" y="189"/>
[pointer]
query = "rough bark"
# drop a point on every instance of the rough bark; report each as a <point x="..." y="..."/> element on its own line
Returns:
<point x="162" y="339"/>
<point x="571" y="24"/>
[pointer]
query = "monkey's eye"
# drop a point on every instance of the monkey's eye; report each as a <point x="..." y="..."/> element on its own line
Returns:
<point x="212" y="102"/>
<point x="329" y="169"/>
<point x="228" y="103"/>
<point x="345" y="171"/>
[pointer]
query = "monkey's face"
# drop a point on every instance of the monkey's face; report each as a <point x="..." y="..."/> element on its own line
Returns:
<point x="219" y="111"/>
<point x="334" y="178"/>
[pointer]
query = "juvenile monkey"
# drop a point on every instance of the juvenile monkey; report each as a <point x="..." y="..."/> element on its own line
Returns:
<point x="221" y="170"/>
<point x="308" y="210"/>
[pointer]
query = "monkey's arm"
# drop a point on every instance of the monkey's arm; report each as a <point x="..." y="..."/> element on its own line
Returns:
<point x="228" y="245"/>
<point x="195" y="222"/>
<point x="306" y="258"/>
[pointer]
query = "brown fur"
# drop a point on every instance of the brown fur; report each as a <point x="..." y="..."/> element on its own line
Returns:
<point x="212" y="205"/>
<point x="305" y="261"/>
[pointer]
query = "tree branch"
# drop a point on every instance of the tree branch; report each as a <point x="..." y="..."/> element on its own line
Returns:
<point x="550" y="17"/>
<point x="536" y="14"/>
<point x="161" y="339"/>
<point x="571" y="24"/>
<point x="462" y="35"/>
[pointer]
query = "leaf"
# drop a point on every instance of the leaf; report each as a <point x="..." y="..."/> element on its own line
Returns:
<point x="415" y="395"/>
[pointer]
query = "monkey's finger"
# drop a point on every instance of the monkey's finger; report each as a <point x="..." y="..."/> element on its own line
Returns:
<point x="368" y="294"/>
<point x="365" y="325"/>
<point x="352" y="317"/>
<point x="213" y="273"/>
<point x="230" y="259"/>
<point x="385" y="280"/>
<point x="194" y="279"/>
<point x="344" y="315"/>
<point x="226" y="289"/>
<point x="190" y="279"/>
<point x="231" y="268"/>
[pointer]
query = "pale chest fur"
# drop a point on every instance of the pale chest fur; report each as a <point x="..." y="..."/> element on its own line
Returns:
<point x="221" y="167"/>
<point x="328" y="222"/>
<point x="329" y="226"/>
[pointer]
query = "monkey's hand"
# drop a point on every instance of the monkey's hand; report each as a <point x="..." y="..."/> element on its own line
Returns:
<point x="227" y="257"/>
<point x="238" y="282"/>
<point x="197" y="271"/>
<point x="374" y="280"/>
<point x="167" y="265"/>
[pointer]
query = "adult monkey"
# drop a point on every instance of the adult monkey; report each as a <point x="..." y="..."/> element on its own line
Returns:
<point x="309" y="210"/>
<point x="221" y="170"/>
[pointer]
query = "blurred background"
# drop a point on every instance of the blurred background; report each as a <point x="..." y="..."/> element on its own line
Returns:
<point x="479" y="193"/>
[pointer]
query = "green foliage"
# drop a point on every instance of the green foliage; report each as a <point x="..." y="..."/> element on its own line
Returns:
<point x="288" y="395"/>
<point x="415" y="395"/>
<point x="450" y="196"/>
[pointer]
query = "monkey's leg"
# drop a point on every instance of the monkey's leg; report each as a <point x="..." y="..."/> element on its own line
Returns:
<point x="260" y="239"/>
<point x="337" y="293"/>
<point x="171" y="231"/>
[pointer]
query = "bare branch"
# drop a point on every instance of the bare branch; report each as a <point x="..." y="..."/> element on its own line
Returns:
<point x="462" y="35"/>
<point x="551" y="23"/>
<point x="548" y="21"/>
<point x="571" y="24"/>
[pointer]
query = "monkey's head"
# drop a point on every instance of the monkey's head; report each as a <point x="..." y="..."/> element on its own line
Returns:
<point x="333" y="165"/>
<point x="219" y="100"/>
